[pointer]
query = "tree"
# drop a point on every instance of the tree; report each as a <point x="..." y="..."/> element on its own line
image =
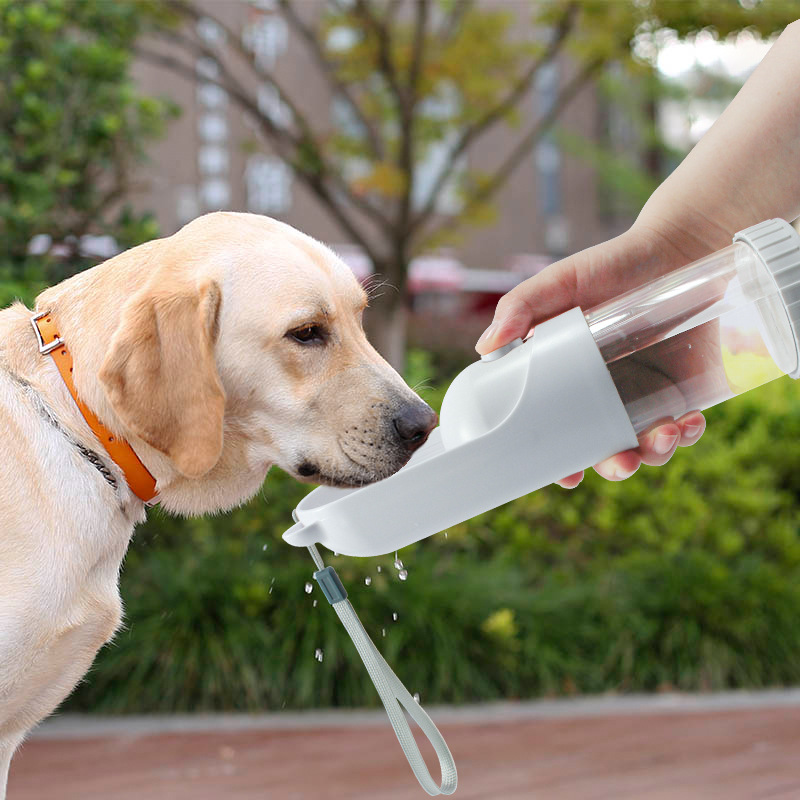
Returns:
<point x="72" y="125"/>
<point x="413" y="74"/>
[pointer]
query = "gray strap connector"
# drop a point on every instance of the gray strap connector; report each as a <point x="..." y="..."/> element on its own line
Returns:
<point x="330" y="584"/>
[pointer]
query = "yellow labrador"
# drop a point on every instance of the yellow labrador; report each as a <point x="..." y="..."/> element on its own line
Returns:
<point x="231" y="346"/>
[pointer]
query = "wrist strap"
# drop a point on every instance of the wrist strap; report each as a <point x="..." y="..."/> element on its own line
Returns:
<point x="390" y="688"/>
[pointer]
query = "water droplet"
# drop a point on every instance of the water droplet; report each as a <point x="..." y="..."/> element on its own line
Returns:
<point x="265" y="547"/>
<point x="398" y="564"/>
<point x="315" y="604"/>
<point x="368" y="580"/>
<point x="394" y="616"/>
<point x="416" y="697"/>
<point x="403" y="574"/>
<point x="335" y="553"/>
<point x="445" y="534"/>
<point x="271" y="584"/>
<point x="383" y="631"/>
<point x="318" y="654"/>
<point x="379" y="567"/>
<point x="309" y="587"/>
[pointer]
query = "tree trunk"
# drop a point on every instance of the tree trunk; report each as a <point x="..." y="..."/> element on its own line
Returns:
<point x="386" y="321"/>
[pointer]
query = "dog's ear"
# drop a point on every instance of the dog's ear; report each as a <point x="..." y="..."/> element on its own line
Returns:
<point x="160" y="376"/>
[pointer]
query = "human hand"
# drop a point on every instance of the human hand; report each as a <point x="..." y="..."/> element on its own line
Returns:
<point x="589" y="278"/>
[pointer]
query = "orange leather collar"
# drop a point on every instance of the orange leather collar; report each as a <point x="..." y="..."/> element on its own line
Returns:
<point x="140" y="481"/>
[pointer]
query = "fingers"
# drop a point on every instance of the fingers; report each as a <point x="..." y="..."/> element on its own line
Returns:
<point x="620" y="466"/>
<point x="571" y="481"/>
<point x="655" y="447"/>
<point x="692" y="427"/>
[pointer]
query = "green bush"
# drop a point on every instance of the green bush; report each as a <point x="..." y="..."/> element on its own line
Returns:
<point x="685" y="576"/>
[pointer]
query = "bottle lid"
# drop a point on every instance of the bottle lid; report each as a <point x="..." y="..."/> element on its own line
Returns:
<point x="777" y="244"/>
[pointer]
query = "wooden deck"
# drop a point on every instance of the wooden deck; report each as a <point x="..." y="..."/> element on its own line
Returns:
<point x="702" y="755"/>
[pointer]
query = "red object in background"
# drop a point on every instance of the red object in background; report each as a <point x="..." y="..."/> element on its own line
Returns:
<point x="443" y="272"/>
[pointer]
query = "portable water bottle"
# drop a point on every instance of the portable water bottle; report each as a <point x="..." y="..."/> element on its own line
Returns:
<point x="581" y="388"/>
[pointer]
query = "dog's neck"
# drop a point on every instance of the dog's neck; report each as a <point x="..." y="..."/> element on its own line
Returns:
<point x="38" y="380"/>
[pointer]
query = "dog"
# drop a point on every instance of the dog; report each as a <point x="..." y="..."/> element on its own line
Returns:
<point x="233" y="345"/>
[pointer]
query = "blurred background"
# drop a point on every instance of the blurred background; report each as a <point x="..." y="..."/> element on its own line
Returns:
<point x="447" y="150"/>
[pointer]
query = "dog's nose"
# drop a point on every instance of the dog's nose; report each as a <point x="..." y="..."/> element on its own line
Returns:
<point x="414" y="423"/>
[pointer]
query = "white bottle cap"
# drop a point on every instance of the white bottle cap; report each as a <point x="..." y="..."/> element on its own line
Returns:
<point x="777" y="244"/>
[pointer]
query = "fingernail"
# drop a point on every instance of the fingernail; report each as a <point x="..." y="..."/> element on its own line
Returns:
<point x="664" y="443"/>
<point x="690" y="431"/>
<point x="487" y="333"/>
<point x="622" y="474"/>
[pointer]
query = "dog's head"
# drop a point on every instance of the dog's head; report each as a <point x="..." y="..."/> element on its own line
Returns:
<point x="245" y="349"/>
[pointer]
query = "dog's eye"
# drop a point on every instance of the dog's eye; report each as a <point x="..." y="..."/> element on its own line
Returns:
<point x="308" y="334"/>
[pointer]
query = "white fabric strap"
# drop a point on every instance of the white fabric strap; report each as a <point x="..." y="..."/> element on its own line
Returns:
<point x="391" y="690"/>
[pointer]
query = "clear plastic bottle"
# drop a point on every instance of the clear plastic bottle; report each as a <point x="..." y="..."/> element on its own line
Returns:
<point x="708" y="331"/>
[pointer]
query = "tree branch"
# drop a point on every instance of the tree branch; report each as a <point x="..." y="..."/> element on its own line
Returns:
<point x="279" y="136"/>
<point x="301" y="140"/>
<point x="472" y="132"/>
<point x="328" y="71"/>
<point x="407" y="117"/>
<point x="451" y="25"/>
<point x="385" y="62"/>
<point x="523" y="148"/>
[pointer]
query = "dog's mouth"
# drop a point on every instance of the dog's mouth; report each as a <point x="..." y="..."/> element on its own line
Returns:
<point x="360" y="475"/>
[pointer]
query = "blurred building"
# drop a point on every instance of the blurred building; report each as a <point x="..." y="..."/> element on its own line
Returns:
<point x="213" y="158"/>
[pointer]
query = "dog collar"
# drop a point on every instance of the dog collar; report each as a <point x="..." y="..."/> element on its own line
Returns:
<point x="140" y="481"/>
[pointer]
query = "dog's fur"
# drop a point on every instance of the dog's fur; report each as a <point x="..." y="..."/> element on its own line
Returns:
<point x="184" y="347"/>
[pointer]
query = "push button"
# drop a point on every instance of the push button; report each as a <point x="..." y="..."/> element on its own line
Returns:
<point x="501" y="351"/>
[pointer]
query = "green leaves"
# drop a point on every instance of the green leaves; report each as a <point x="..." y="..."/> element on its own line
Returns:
<point x="71" y="122"/>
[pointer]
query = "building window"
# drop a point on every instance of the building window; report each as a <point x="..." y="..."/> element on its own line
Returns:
<point x="215" y="193"/>
<point x="267" y="37"/>
<point x="272" y="107"/>
<point x="442" y="107"/>
<point x="341" y="39"/>
<point x="547" y="162"/>
<point x="213" y="127"/>
<point x="548" y="176"/>
<point x="211" y="96"/>
<point x="427" y="172"/>
<point x="212" y="159"/>
<point x="210" y="32"/>
<point x="186" y="205"/>
<point x="269" y="185"/>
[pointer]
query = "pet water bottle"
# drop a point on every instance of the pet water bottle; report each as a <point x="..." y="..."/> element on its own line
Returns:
<point x="708" y="331"/>
<point x="584" y="386"/>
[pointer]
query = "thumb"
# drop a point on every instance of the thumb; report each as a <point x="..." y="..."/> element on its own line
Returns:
<point x="583" y="279"/>
<point x="531" y="302"/>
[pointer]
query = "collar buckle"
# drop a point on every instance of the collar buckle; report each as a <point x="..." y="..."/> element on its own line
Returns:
<point x="44" y="348"/>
